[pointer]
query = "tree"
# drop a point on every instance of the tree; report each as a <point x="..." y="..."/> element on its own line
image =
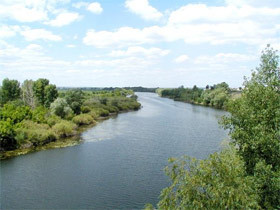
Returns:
<point x="39" y="90"/>
<point x="219" y="182"/>
<point x="75" y="100"/>
<point x="61" y="108"/>
<point x="10" y="90"/>
<point x="254" y="126"/>
<point x="222" y="85"/>
<point x="10" y="115"/>
<point x="27" y="93"/>
<point x="50" y="94"/>
<point x="45" y="93"/>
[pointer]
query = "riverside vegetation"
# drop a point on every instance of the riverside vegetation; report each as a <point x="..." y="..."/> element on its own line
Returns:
<point x="215" y="96"/>
<point x="246" y="173"/>
<point x="35" y="114"/>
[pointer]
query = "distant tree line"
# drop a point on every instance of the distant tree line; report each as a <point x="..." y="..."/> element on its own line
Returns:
<point x="216" y="96"/>
<point x="135" y="89"/>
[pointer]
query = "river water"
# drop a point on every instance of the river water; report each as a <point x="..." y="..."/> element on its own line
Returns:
<point x="119" y="165"/>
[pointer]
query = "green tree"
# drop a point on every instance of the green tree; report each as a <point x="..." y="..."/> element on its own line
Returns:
<point x="51" y="94"/>
<point x="10" y="90"/>
<point x="75" y="100"/>
<point x="10" y="116"/>
<point x="39" y="90"/>
<point x="45" y="93"/>
<point x="61" y="108"/>
<point x="254" y="126"/>
<point x="219" y="182"/>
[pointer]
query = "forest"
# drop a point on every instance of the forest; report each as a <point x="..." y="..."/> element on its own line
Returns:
<point x="36" y="113"/>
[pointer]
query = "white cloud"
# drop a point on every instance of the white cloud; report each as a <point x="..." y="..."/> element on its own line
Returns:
<point x="144" y="9"/>
<point x="221" y="58"/>
<point x="140" y="51"/>
<point x="181" y="58"/>
<point x="8" y="31"/>
<point x="255" y="3"/>
<point x="197" y="24"/>
<point x="71" y="46"/>
<point x="35" y="34"/>
<point x="63" y="19"/>
<point x="29" y="58"/>
<point x="228" y="14"/>
<point x="29" y="10"/>
<point x="22" y="14"/>
<point x="95" y="8"/>
<point x="80" y="4"/>
<point x="122" y="37"/>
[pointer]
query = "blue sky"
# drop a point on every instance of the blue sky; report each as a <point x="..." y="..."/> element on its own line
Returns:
<point x="154" y="43"/>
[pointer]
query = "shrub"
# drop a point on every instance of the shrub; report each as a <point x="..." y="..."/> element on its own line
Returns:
<point x="102" y="112"/>
<point x="93" y="114"/>
<point x="15" y="113"/>
<point x="38" y="134"/>
<point x="83" y="119"/>
<point x="111" y="109"/>
<point x="53" y="119"/>
<point x="85" y="109"/>
<point x="39" y="114"/>
<point x="7" y="133"/>
<point x="64" y="128"/>
<point x="61" y="108"/>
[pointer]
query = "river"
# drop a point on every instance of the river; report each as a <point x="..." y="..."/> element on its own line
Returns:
<point x="119" y="165"/>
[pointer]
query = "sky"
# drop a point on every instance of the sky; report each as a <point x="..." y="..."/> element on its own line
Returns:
<point x="151" y="43"/>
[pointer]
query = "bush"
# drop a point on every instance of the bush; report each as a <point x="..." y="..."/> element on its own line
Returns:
<point x="7" y="133"/>
<point x="53" y="119"/>
<point x="94" y="114"/>
<point x="38" y="134"/>
<point x="83" y="119"/>
<point x="102" y="112"/>
<point x="85" y="109"/>
<point x="111" y="109"/>
<point x="61" y="108"/>
<point x="64" y="128"/>
<point x="15" y="113"/>
<point x="39" y="114"/>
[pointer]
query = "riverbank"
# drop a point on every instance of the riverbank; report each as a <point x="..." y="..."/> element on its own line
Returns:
<point x="216" y="96"/>
<point x="58" y="121"/>
<point x="59" y="143"/>
<point x="194" y="103"/>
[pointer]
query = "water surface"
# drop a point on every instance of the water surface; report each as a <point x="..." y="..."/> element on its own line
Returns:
<point x="119" y="165"/>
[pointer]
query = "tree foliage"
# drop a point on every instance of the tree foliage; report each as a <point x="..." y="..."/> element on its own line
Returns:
<point x="45" y="93"/>
<point x="246" y="176"/>
<point x="219" y="182"/>
<point x="61" y="108"/>
<point x="255" y="126"/>
<point x="75" y="99"/>
<point x="217" y="96"/>
<point x="10" y="90"/>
